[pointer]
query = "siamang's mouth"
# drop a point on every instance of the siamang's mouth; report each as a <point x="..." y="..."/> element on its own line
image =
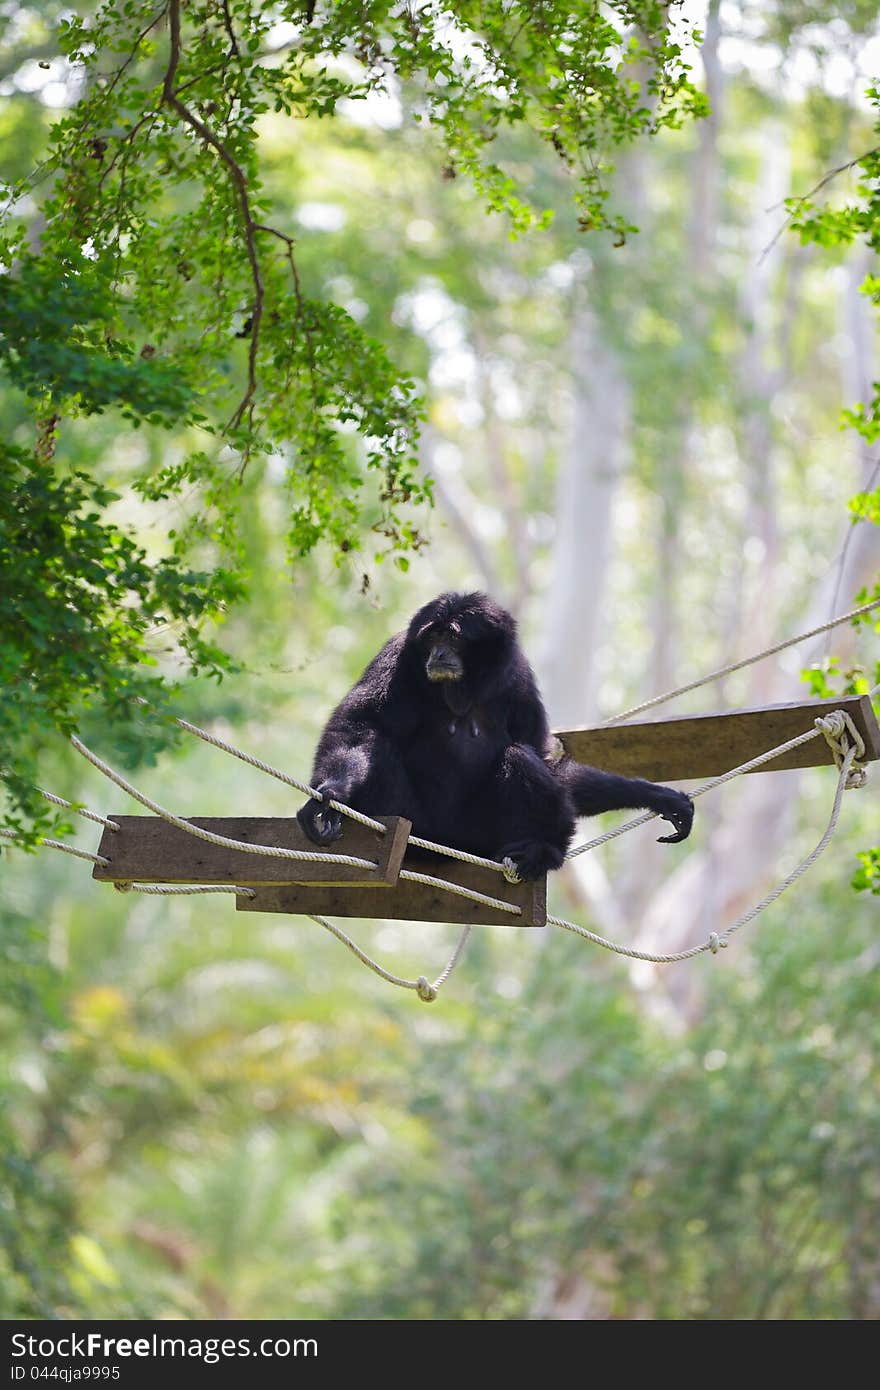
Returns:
<point x="443" y="662"/>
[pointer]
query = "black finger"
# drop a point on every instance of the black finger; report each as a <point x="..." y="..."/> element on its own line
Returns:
<point x="672" y="839"/>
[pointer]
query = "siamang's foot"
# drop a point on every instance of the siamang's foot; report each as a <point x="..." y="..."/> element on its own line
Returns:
<point x="533" y="858"/>
<point x="678" y="809"/>
<point x="317" y="818"/>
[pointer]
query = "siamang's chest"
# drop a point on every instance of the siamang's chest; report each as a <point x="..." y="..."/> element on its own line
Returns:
<point x="468" y="741"/>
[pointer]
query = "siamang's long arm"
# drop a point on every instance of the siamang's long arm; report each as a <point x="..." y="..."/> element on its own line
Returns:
<point x="344" y="757"/>
<point x="358" y="758"/>
<point x="526" y="717"/>
<point x="350" y="747"/>
<point x="593" y="791"/>
<point x="343" y="761"/>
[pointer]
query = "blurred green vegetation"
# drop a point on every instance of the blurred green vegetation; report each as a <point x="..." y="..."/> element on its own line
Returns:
<point x="206" y="1113"/>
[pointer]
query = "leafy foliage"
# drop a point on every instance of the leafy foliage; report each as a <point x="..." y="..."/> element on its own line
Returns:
<point x="80" y="599"/>
<point x="584" y="1158"/>
<point x="868" y="874"/>
<point x="158" y="288"/>
<point x="829" y="224"/>
<point x="57" y="344"/>
<point x="865" y="506"/>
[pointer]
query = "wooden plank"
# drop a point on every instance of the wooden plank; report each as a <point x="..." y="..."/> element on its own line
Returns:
<point x="415" y="902"/>
<point x="148" y="849"/>
<point x="707" y="745"/>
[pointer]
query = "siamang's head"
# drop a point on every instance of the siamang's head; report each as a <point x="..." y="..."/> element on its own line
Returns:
<point x="461" y="638"/>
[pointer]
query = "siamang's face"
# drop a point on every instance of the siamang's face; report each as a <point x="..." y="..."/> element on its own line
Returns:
<point x="443" y="647"/>
<point x="459" y="636"/>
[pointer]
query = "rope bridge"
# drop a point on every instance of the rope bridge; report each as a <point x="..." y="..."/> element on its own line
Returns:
<point x="265" y="875"/>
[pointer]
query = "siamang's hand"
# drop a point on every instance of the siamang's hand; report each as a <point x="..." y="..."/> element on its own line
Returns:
<point x="678" y="809"/>
<point x="533" y="858"/>
<point x="317" y="818"/>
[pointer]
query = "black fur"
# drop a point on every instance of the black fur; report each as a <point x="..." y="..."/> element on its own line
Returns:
<point x="466" y="760"/>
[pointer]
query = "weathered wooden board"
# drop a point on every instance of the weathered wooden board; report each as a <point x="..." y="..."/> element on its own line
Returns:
<point x="415" y="902"/>
<point x="707" y="745"/>
<point x="148" y="849"/>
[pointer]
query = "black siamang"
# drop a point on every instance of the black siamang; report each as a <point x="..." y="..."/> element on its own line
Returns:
<point x="446" y="727"/>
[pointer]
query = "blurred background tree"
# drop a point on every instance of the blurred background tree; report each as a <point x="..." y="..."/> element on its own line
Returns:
<point x="637" y="447"/>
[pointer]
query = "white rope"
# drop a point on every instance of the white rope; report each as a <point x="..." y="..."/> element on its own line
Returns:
<point x="451" y="963"/>
<point x="499" y="866"/>
<point x="272" y="851"/>
<point x="281" y="776"/>
<point x="747" y="661"/>
<point x="54" y="844"/>
<point x="184" y="889"/>
<point x="426" y="991"/>
<point x="718" y="940"/>
<point x="475" y="897"/>
<point x="79" y="810"/>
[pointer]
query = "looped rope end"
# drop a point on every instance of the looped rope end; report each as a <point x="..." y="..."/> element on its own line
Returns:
<point x="841" y="735"/>
<point x="425" y="990"/>
<point x="717" y="942"/>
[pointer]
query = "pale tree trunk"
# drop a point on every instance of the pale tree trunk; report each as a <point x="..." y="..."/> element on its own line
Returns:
<point x="594" y="463"/>
<point x="638" y="886"/>
<point x="674" y="468"/>
<point x="704" y="212"/>
<point x="504" y="489"/>
<point x="759" y="378"/>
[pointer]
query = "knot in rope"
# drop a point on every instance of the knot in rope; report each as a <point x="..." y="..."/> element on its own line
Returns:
<point x="717" y="942"/>
<point x="425" y="990"/>
<point x="841" y="735"/>
<point x="511" y="873"/>
<point x="122" y="887"/>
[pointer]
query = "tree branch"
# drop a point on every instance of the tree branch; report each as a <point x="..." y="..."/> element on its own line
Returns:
<point x="239" y="179"/>
<point x="289" y="244"/>
<point x="811" y="193"/>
